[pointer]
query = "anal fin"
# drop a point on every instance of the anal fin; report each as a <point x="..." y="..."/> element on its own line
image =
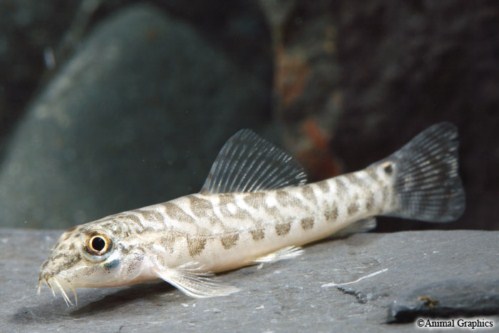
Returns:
<point x="359" y="226"/>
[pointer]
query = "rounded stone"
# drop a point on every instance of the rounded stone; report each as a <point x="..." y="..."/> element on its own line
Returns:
<point x="136" y="117"/>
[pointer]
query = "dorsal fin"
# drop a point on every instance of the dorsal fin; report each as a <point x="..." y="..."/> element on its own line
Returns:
<point x="248" y="163"/>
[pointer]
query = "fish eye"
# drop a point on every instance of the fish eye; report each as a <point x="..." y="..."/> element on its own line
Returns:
<point x="98" y="244"/>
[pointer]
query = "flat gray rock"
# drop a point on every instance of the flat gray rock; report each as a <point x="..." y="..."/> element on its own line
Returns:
<point x="289" y="296"/>
<point x="454" y="297"/>
<point x="136" y="117"/>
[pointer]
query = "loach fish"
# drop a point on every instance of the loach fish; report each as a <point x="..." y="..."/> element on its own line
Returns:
<point x="255" y="207"/>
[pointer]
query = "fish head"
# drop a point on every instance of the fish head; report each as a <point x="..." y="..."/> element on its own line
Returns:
<point x="87" y="256"/>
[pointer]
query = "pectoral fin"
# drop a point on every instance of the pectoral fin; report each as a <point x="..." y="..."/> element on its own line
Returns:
<point x="194" y="282"/>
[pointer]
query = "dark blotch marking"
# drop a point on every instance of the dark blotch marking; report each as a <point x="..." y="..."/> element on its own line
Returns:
<point x="282" y="229"/>
<point x="58" y="256"/>
<point x="168" y="242"/>
<point x="282" y="197"/>
<point x="214" y="220"/>
<point x="196" y="245"/>
<point x="307" y="223"/>
<point x="369" y="201"/>
<point x="257" y="234"/>
<point x="273" y="211"/>
<point x="241" y="214"/>
<point x="229" y="241"/>
<point x="134" y="219"/>
<point x="177" y="213"/>
<point x="61" y="246"/>
<point x="151" y="215"/>
<point x="308" y="193"/>
<point x="199" y="206"/>
<point x="353" y="208"/>
<point x="125" y="249"/>
<point x="226" y="198"/>
<point x="67" y="264"/>
<point x="45" y="263"/>
<point x="332" y="214"/>
<point x="285" y="199"/>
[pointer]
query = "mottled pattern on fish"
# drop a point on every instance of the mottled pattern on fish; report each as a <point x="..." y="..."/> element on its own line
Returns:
<point x="249" y="211"/>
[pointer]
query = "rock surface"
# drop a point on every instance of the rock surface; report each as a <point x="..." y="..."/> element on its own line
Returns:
<point x="283" y="297"/>
<point x="449" y="298"/>
<point x="136" y="117"/>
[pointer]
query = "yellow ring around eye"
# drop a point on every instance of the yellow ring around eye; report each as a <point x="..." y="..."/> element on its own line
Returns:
<point x="98" y="244"/>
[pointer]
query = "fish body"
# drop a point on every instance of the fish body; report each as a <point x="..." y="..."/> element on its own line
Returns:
<point x="255" y="207"/>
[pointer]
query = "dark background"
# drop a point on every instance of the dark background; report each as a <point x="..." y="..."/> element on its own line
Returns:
<point x="339" y="84"/>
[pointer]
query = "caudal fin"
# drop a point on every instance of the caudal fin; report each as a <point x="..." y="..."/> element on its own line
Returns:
<point x="427" y="185"/>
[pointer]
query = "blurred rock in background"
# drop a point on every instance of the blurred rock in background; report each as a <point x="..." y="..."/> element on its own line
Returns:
<point x="135" y="101"/>
<point x="135" y="116"/>
<point x="29" y="32"/>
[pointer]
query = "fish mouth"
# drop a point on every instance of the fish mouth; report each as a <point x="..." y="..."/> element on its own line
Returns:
<point x="56" y="284"/>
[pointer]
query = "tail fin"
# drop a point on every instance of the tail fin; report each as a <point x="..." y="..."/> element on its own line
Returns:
<point x="427" y="185"/>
